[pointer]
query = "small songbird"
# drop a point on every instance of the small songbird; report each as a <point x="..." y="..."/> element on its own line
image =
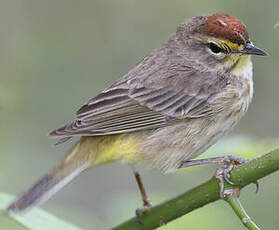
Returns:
<point x="167" y="110"/>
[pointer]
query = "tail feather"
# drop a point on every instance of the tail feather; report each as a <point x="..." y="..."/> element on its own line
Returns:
<point x="41" y="191"/>
<point x="51" y="183"/>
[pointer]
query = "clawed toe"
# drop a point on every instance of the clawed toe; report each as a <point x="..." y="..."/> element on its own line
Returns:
<point x="226" y="173"/>
<point x="223" y="173"/>
<point x="232" y="160"/>
<point x="229" y="163"/>
<point x="142" y="210"/>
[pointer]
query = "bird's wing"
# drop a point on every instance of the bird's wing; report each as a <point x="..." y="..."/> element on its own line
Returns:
<point x="112" y="111"/>
<point x="143" y="100"/>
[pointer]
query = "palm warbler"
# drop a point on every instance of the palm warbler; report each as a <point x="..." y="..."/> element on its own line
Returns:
<point x="168" y="109"/>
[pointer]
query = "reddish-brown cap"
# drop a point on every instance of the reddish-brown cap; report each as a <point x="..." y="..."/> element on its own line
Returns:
<point x="225" y="26"/>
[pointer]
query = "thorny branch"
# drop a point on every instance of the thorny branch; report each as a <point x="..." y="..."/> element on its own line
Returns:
<point x="203" y="194"/>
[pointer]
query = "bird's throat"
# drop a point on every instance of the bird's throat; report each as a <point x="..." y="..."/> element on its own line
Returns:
<point x="244" y="70"/>
<point x="243" y="67"/>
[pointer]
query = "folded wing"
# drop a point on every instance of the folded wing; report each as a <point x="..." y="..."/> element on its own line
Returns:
<point x="154" y="94"/>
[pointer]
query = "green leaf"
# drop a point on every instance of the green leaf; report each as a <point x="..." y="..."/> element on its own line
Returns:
<point x="35" y="219"/>
<point x="276" y="25"/>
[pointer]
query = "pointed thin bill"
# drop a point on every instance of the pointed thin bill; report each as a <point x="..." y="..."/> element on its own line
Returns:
<point x="253" y="50"/>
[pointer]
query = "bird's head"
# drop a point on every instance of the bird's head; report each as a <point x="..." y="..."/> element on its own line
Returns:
<point x="218" y="41"/>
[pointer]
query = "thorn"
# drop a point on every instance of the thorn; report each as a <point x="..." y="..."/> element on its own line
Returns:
<point x="257" y="186"/>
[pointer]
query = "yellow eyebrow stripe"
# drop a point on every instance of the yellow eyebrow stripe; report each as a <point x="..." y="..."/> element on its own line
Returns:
<point x="223" y="42"/>
<point x="233" y="46"/>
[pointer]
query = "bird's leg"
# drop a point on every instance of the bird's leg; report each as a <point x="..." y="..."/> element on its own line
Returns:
<point x="146" y="203"/>
<point x="223" y="172"/>
<point x="228" y="161"/>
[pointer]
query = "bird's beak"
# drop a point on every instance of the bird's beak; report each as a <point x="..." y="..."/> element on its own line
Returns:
<point x="253" y="50"/>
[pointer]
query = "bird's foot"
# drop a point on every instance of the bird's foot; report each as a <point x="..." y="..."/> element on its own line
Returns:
<point x="146" y="207"/>
<point x="223" y="174"/>
<point x="229" y="163"/>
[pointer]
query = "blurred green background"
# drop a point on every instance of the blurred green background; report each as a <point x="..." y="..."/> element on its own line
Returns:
<point x="56" y="54"/>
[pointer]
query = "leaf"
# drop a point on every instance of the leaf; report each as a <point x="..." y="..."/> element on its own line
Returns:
<point x="276" y="25"/>
<point x="35" y="219"/>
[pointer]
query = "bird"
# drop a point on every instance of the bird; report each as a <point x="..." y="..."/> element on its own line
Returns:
<point x="167" y="110"/>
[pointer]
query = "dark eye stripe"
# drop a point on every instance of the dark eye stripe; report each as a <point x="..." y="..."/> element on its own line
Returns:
<point x="214" y="48"/>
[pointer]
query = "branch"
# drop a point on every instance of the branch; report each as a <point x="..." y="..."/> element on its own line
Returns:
<point x="241" y="213"/>
<point x="203" y="194"/>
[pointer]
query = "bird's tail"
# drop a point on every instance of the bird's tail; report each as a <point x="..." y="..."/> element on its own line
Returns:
<point x="73" y="164"/>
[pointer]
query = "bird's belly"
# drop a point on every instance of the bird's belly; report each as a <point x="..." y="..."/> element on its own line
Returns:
<point x="166" y="148"/>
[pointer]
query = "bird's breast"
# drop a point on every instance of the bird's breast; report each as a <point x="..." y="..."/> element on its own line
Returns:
<point x="243" y="73"/>
<point x="234" y="100"/>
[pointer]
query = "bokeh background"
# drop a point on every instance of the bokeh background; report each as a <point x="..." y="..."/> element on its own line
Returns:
<point x="56" y="54"/>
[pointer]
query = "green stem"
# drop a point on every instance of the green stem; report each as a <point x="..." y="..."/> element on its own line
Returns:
<point x="203" y="194"/>
<point x="2" y="212"/>
<point x="241" y="213"/>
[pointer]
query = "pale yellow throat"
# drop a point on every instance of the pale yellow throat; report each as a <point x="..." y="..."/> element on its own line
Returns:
<point x="243" y="66"/>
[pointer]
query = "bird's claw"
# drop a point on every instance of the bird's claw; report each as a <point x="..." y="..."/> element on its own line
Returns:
<point x="146" y="207"/>
<point x="226" y="173"/>
<point x="229" y="163"/>
<point x="223" y="173"/>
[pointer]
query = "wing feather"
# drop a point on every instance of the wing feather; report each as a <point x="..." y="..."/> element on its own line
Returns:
<point x="160" y="90"/>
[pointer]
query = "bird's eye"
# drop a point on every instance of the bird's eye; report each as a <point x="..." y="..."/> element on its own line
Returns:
<point x="214" y="48"/>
